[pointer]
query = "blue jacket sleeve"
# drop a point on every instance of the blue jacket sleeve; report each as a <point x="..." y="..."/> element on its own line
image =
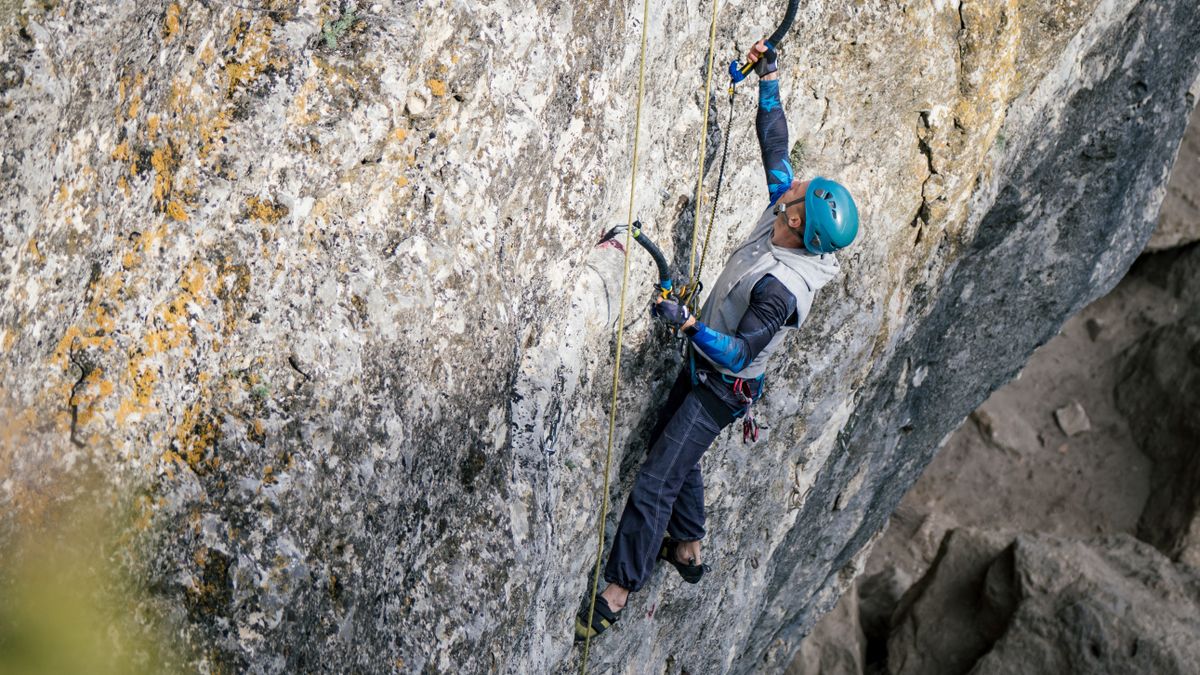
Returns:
<point x="771" y="304"/>
<point x="771" y="127"/>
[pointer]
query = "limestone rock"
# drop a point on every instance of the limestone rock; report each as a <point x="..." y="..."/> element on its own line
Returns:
<point x="939" y="625"/>
<point x="1113" y="605"/>
<point x="1005" y="430"/>
<point x="354" y="358"/>
<point x="1179" y="221"/>
<point x="837" y="647"/>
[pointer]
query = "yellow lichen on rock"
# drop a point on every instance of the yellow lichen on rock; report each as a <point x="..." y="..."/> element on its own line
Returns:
<point x="176" y="211"/>
<point x="195" y="435"/>
<point x="171" y="23"/>
<point x="252" y="39"/>
<point x="141" y="380"/>
<point x="265" y="211"/>
<point x="32" y="248"/>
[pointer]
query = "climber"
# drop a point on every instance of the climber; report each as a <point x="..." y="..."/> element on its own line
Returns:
<point x="766" y="287"/>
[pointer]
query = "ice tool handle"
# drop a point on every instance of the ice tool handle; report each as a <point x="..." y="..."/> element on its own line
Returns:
<point x="737" y="73"/>
<point x="665" y="285"/>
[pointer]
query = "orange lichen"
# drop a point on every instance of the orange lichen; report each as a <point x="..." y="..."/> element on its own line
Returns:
<point x="171" y="24"/>
<point x="164" y="161"/>
<point x="142" y="379"/>
<point x="399" y="135"/>
<point x="152" y="123"/>
<point x="88" y="394"/>
<point x="33" y="251"/>
<point x="253" y="43"/>
<point x="265" y="211"/>
<point x="437" y="87"/>
<point x="176" y="211"/>
<point x="401" y="181"/>
<point x="196" y="434"/>
<point x="212" y="132"/>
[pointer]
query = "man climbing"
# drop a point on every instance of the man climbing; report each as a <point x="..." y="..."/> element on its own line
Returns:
<point x="767" y="287"/>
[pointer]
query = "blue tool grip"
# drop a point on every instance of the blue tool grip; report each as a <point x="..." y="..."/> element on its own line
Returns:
<point x="735" y="72"/>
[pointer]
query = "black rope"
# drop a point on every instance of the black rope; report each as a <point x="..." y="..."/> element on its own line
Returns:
<point x="694" y="297"/>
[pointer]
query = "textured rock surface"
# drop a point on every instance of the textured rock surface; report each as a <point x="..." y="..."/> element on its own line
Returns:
<point x="1159" y="393"/>
<point x="324" y="288"/>
<point x="1179" y="222"/>
<point x="953" y="614"/>
<point x="1047" y="605"/>
<point x="837" y="646"/>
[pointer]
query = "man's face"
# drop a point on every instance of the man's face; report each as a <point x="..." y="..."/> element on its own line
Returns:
<point x="793" y="217"/>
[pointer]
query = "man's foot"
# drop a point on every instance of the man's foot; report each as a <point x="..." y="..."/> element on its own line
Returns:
<point x="674" y="552"/>
<point x="604" y="616"/>
<point x="616" y="596"/>
<point x="687" y="552"/>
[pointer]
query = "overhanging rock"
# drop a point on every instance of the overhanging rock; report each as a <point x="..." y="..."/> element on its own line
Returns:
<point x="321" y="284"/>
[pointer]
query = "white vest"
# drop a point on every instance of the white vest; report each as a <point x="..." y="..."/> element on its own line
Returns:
<point x="801" y="272"/>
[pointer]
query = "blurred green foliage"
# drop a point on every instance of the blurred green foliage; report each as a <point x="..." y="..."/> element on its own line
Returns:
<point x="68" y="603"/>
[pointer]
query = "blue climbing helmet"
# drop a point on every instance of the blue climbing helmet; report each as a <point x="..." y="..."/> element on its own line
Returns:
<point x="830" y="217"/>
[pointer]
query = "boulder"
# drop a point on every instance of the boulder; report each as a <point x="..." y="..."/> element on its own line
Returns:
<point x="1159" y="393"/>
<point x="995" y="605"/>
<point x="940" y="624"/>
<point x="1112" y="605"/>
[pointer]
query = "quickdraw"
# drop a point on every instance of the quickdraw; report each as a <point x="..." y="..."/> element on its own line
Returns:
<point x="745" y="395"/>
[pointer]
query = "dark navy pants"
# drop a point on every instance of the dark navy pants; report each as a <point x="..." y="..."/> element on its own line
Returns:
<point x="668" y="495"/>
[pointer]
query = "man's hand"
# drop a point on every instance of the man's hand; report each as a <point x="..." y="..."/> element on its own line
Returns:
<point x="673" y="313"/>
<point x="764" y="60"/>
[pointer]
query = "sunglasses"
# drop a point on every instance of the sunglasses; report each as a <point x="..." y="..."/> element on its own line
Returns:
<point x="792" y="214"/>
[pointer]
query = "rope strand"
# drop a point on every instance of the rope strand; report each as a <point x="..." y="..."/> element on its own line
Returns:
<point x="712" y="55"/>
<point x="612" y="412"/>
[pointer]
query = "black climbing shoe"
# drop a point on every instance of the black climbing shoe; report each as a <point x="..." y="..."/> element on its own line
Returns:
<point x="690" y="573"/>
<point x="603" y="618"/>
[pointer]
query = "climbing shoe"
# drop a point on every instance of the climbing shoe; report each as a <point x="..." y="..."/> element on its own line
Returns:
<point x="602" y="619"/>
<point x="690" y="573"/>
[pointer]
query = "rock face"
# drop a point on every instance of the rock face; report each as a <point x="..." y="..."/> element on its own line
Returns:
<point x="320" y="284"/>
<point x="1179" y="221"/>
<point x="1159" y="393"/>
<point x="1041" y="604"/>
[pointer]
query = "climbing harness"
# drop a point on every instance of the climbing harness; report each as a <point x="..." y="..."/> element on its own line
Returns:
<point x="616" y="381"/>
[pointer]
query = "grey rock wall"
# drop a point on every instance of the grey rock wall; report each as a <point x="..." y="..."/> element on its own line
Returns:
<point x="1179" y="221"/>
<point x="319" y="282"/>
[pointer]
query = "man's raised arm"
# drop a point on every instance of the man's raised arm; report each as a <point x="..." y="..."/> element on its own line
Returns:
<point x="770" y="123"/>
